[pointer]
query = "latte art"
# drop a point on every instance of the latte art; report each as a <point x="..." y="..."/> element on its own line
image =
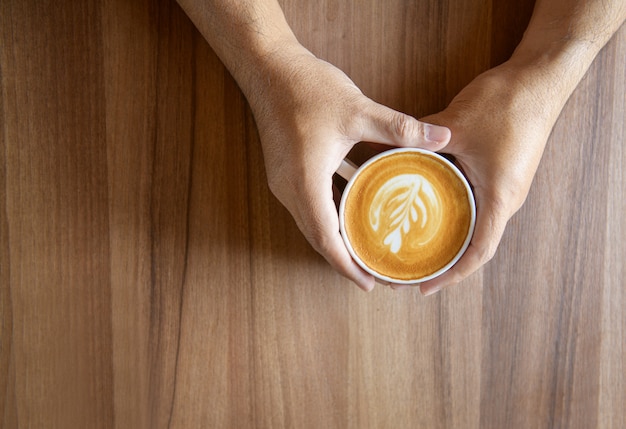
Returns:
<point x="406" y="215"/>
<point x="405" y="210"/>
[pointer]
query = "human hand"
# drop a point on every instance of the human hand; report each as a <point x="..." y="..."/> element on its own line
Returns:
<point x="500" y="124"/>
<point x="309" y="115"/>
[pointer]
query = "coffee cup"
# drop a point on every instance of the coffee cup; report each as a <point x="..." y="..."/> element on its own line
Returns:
<point x="406" y="215"/>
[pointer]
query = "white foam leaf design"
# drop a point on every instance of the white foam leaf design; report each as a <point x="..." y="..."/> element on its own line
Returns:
<point x="402" y="202"/>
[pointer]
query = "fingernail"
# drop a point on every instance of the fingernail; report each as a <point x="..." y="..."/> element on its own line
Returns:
<point x="366" y="288"/>
<point x="368" y="284"/>
<point x="396" y="286"/>
<point x="436" y="133"/>
<point x="431" y="291"/>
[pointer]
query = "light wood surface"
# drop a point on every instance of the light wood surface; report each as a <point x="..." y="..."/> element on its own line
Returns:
<point x="149" y="279"/>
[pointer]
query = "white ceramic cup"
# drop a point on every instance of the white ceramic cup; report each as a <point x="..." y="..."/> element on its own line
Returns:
<point x="350" y="172"/>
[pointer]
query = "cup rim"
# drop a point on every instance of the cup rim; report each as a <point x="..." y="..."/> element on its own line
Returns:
<point x="457" y="256"/>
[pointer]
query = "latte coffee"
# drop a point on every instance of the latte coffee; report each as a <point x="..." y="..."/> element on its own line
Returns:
<point x="407" y="215"/>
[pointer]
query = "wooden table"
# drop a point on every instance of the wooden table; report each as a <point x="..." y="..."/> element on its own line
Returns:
<point x="149" y="279"/>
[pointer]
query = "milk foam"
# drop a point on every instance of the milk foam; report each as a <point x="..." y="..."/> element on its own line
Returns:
<point x="406" y="215"/>
<point x="405" y="212"/>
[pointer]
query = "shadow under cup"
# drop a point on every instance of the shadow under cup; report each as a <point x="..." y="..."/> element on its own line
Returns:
<point x="406" y="215"/>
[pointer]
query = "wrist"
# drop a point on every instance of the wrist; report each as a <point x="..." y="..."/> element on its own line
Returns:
<point x="561" y="42"/>
<point x="244" y="35"/>
<point x="549" y="73"/>
<point x="273" y="69"/>
<point x="535" y="89"/>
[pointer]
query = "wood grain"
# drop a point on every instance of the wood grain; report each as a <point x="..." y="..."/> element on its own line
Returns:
<point x="149" y="279"/>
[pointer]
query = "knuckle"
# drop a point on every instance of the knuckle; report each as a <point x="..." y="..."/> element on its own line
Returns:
<point x="500" y="206"/>
<point x="504" y="205"/>
<point x="274" y="186"/>
<point x="316" y="236"/>
<point x="512" y="201"/>
<point x="510" y="198"/>
<point x="360" y="116"/>
<point x="519" y="198"/>
<point x="487" y="253"/>
<point x="405" y="127"/>
<point x="281" y="179"/>
<point x="281" y="189"/>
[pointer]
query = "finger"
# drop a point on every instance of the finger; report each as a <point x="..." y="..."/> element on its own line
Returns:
<point x="396" y="286"/>
<point x="490" y="225"/>
<point x="384" y="125"/>
<point x="317" y="219"/>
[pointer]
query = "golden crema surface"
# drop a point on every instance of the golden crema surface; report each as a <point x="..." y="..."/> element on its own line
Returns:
<point x="407" y="215"/>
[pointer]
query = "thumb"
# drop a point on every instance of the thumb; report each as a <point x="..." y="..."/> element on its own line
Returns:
<point x="384" y="125"/>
